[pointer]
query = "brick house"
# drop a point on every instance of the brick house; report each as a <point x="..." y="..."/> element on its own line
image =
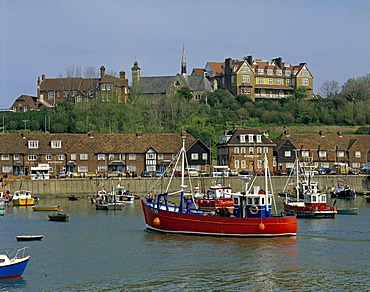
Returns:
<point x="91" y="153"/>
<point x="244" y="149"/>
<point x="260" y="79"/>
<point x="51" y="91"/>
<point x="322" y="149"/>
<point x="25" y="103"/>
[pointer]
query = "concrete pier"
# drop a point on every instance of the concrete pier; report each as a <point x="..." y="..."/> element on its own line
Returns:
<point x="140" y="186"/>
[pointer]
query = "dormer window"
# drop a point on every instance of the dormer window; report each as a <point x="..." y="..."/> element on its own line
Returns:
<point x="56" y="144"/>
<point x="242" y="138"/>
<point x="259" y="138"/>
<point x="269" y="71"/>
<point x="278" y="72"/>
<point x="250" y="138"/>
<point x="260" y="71"/>
<point x="32" y="144"/>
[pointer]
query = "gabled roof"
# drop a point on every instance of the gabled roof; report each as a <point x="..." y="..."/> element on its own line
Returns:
<point x="216" y="67"/>
<point x="156" y="84"/>
<point x="160" y="84"/>
<point x="30" y="101"/>
<point x="236" y="133"/>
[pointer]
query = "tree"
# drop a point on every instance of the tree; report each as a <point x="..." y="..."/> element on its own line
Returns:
<point x="329" y="89"/>
<point x="300" y="93"/>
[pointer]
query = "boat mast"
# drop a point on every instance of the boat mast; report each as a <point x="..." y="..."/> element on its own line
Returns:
<point x="265" y="162"/>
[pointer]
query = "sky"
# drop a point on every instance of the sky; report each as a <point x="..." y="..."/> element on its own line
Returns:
<point x="48" y="37"/>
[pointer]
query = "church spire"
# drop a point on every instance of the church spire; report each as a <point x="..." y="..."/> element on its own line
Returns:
<point x="183" y="62"/>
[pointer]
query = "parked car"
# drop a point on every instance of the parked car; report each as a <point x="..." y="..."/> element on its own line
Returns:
<point x="259" y="172"/>
<point x="281" y="172"/>
<point x="204" y="173"/>
<point x="159" y="173"/>
<point x="192" y="171"/>
<point x="233" y="172"/>
<point x="117" y="173"/>
<point x="245" y="174"/>
<point x="146" y="174"/>
<point x="354" y="171"/>
<point x="62" y="174"/>
<point x="330" y="171"/>
<point x="321" y="170"/>
<point x="179" y="173"/>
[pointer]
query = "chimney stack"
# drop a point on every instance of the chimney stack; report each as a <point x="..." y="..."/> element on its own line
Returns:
<point x="102" y="71"/>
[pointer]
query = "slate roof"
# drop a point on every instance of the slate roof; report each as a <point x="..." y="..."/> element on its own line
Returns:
<point x="324" y="141"/>
<point x="98" y="143"/>
<point x="160" y="84"/>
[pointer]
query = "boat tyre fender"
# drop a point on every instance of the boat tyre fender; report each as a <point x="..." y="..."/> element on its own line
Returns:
<point x="253" y="209"/>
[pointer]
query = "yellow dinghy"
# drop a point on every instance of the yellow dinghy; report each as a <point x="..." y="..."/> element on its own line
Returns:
<point x="45" y="208"/>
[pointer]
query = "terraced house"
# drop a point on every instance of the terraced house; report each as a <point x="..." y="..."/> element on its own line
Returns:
<point x="260" y="79"/>
<point x="321" y="149"/>
<point x="90" y="154"/>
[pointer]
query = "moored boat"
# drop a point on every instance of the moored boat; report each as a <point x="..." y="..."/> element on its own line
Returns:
<point x="252" y="217"/>
<point x="29" y="237"/>
<point x="60" y="217"/>
<point x="217" y="196"/>
<point x="348" y="211"/>
<point x="73" y="198"/>
<point x="120" y="195"/>
<point x="23" y="198"/>
<point x="306" y="200"/>
<point x="45" y="208"/>
<point x="13" y="266"/>
<point x="343" y="191"/>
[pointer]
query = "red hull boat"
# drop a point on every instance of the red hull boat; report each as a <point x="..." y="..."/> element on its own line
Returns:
<point x="217" y="196"/>
<point x="252" y="214"/>
<point x="202" y="224"/>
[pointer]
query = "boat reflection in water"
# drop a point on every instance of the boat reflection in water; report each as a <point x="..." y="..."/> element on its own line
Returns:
<point x="252" y="216"/>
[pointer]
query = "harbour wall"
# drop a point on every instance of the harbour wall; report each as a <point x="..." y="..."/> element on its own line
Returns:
<point x="140" y="186"/>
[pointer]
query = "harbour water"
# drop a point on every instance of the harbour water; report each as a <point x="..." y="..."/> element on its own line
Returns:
<point x="112" y="251"/>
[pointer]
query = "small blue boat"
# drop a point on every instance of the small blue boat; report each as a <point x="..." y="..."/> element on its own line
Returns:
<point x="13" y="266"/>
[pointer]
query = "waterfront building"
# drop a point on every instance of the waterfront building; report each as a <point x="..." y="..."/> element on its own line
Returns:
<point x="94" y="154"/>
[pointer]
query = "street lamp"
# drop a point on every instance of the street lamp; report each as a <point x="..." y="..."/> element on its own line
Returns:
<point x="25" y="124"/>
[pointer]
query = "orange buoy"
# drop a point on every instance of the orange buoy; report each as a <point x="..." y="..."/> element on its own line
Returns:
<point x="261" y="226"/>
<point x="156" y="221"/>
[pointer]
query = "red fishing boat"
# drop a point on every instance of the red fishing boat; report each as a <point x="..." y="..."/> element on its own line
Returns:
<point x="217" y="196"/>
<point x="307" y="201"/>
<point x="252" y="215"/>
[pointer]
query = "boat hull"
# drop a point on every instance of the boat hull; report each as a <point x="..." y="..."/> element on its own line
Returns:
<point x="24" y="202"/>
<point x="29" y="237"/>
<point x="15" y="269"/>
<point x="181" y="223"/>
<point x="46" y="208"/>
<point x="59" y="217"/>
<point x="310" y="212"/>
